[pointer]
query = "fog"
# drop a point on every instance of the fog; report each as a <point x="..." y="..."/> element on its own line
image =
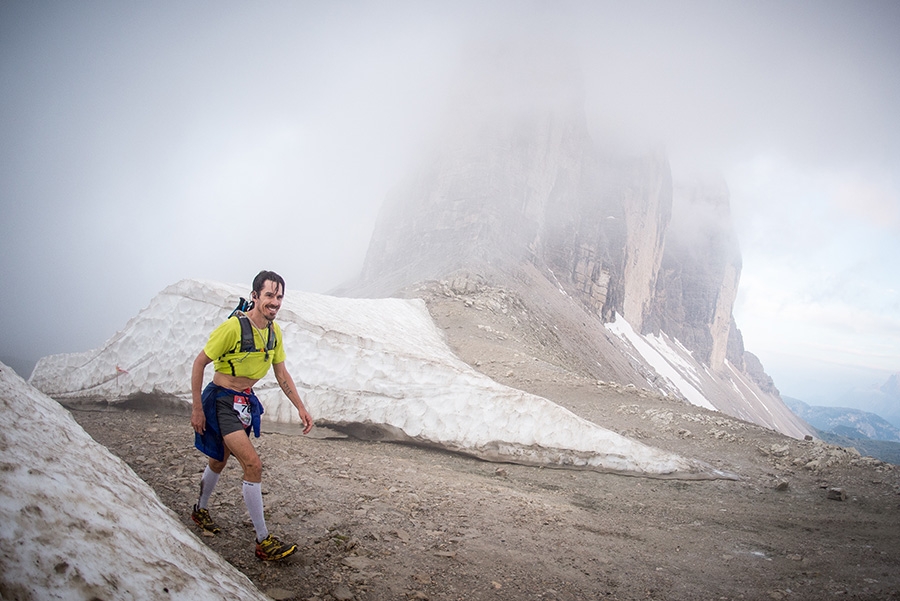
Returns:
<point x="148" y="143"/>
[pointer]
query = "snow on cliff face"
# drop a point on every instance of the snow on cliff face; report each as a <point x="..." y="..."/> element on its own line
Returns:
<point x="679" y="373"/>
<point x="77" y="523"/>
<point x="379" y="368"/>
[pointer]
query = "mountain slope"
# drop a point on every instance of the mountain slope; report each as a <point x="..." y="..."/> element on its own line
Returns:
<point x="627" y="275"/>
<point x="883" y="400"/>
<point x="850" y="423"/>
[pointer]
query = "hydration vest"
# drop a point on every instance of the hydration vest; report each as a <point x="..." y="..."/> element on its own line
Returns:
<point x="248" y="345"/>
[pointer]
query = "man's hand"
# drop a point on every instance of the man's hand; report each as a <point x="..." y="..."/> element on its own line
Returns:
<point x="306" y="418"/>
<point x="198" y="420"/>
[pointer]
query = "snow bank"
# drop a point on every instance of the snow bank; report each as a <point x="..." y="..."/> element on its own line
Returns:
<point x="77" y="523"/>
<point x="377" y="368"/>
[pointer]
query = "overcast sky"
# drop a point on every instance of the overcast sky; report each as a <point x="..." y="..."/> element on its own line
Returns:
<point x="144" y="143"/>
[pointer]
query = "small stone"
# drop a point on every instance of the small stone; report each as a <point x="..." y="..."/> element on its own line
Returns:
<point x="342" y="593"/>
<point x="837" y="494"/>
<point x="782" y="486"/>
<point x="280" y="594"/>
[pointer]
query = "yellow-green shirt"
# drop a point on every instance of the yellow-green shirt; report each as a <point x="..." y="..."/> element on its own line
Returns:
<point x="224" y="348"/>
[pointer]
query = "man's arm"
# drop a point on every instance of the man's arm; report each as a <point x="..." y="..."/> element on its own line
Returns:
<point x="290" y="390"/>
<point x="198" y="418"/>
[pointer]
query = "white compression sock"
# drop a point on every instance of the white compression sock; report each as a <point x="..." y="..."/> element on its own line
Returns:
<point x="254" y="502"/>
<point x="207" y="484"/>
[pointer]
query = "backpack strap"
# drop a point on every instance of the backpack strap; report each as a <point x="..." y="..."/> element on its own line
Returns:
<point x="270" y="343"/>
<point x="247" y="343"/>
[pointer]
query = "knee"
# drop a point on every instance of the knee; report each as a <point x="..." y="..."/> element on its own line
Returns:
<point x="217" y="466"/>
<point x="253" y="470"/>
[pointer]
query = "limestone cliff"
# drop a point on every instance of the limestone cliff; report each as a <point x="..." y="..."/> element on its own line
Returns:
<point x="698" y="280"/>
<point x="529" y="185"/>
<point x="512" y="189"/>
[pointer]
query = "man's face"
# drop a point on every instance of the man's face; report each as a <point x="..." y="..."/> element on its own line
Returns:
<point x="269" y="301"/>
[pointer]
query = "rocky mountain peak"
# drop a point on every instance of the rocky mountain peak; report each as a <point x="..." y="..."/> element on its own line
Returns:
<point x="892" y="386"/>
<point x="522" y="197"/>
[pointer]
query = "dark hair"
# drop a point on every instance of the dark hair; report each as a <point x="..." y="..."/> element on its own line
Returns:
<point x="266" y="276"/>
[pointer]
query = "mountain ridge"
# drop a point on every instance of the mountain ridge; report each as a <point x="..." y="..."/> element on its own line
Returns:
<point x="845" y="421"/>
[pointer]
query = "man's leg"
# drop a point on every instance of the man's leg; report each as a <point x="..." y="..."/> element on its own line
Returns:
<point x="267" y="547"/>
<point x="208" y="481"/>
<point x="240" y="446"/>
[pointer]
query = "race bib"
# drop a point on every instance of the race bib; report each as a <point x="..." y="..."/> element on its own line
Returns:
<point x="242" y="406"/>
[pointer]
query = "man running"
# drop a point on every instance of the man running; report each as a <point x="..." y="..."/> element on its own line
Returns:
<point x="242" y="348"/>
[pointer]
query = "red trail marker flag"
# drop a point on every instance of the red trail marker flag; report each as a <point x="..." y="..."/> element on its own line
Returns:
<point x="119" y="370"/>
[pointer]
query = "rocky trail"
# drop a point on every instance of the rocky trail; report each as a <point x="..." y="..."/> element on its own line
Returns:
<point x="387" y="521"/>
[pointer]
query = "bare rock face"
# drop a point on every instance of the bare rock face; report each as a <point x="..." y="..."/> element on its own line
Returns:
<point x="531" y="186"/>
<point x="517" y="194"/>
<point x="699" y="276"/>
<point x="755" y="370"/>
<point x="606" y="248"/>
<point x="515" y="182"/>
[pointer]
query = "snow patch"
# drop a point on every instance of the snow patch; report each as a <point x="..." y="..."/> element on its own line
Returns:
<point x="77" y="523"/>
<point x="663" y="360"/>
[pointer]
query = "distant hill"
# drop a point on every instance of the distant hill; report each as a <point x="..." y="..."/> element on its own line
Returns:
<point x="883" y="400"/>
<point x="843" y="421"/>
<point x="866" y="432"/>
